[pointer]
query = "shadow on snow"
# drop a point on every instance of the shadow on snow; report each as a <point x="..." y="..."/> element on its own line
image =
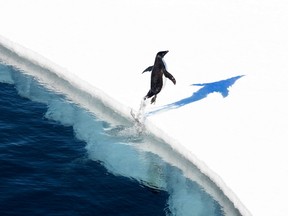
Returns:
<point x="221" y="87"/>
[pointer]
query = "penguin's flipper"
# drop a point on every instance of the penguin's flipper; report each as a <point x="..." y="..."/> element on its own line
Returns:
<point x="148" y="69"/>
<point x="169" y="76"/>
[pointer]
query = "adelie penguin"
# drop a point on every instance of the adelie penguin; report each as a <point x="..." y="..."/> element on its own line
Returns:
<point x="158" y="70"/>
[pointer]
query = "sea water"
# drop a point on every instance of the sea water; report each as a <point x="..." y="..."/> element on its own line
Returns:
<point x="57" y="158"/>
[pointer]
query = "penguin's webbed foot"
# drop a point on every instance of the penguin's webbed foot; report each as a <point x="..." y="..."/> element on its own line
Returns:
<point x="153" y="100"/>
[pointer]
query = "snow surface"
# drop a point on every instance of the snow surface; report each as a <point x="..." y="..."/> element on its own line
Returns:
<point x="241" y="45"/>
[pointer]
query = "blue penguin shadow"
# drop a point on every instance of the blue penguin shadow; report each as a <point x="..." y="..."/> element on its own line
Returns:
<point x="221" y="87"/>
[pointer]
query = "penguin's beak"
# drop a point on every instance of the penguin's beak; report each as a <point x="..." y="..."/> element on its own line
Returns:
<point x="161" y="54"/>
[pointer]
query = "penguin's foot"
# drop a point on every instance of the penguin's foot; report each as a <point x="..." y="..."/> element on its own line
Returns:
<point x="153" y="100"/>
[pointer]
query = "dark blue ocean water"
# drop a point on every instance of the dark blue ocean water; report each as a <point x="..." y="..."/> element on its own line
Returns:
<point x="44" y="169"/>
<point x="57" y="158"/>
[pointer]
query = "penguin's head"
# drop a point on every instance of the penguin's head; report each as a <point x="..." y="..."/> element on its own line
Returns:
<point x="161" y="54"/>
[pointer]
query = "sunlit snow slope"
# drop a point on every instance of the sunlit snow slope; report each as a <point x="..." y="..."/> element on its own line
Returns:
<point x="229" y="59"/>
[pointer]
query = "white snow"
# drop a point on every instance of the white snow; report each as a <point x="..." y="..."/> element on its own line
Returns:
<point x="107" y="44"/>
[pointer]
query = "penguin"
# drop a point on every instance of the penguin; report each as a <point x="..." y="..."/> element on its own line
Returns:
<point x="158" y="70"/>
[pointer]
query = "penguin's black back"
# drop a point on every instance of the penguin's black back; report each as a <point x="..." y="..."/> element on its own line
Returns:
<point x="157" y="75"/>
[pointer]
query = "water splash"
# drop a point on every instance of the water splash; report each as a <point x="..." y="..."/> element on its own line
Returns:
<point x="140" y="116"/>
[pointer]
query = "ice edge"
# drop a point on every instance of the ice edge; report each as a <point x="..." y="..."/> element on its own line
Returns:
<point x="29" y="61"/>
